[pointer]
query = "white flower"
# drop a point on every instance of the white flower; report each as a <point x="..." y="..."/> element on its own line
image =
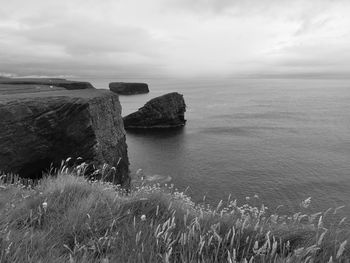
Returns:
<point x="306" y="203"/>
<point x="45" y="205"/>
<point x="143" y="217"/>
<point x="256" y="247"/>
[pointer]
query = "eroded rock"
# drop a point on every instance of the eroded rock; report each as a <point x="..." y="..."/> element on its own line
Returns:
<point x="166" y="111"/>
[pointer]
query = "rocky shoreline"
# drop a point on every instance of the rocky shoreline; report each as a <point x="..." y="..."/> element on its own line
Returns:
<point x="45" y="121"/>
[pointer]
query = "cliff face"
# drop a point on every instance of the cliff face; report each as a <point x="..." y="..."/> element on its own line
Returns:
<point x="124" y="88"/>
<point x="166" y="111"/>
<point x="39" y="128"/>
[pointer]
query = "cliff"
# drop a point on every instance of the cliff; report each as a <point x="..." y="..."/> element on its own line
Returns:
<point x="124" y="88"/>
<point x="44" y="127"/>
<point x="55" y="82"/>
<point x="166" y="111"/>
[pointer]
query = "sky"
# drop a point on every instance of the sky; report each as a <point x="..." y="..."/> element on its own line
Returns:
<point x="177" y="38"/>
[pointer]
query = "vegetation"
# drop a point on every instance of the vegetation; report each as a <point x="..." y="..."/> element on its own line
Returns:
<point x="67" y="218"/>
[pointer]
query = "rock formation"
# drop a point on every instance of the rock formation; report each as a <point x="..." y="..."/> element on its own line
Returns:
<point x="53" y="82"/>
<point x="123" y="88"/>
<point x="47" y="126"/>
<point x="166" y="111"/>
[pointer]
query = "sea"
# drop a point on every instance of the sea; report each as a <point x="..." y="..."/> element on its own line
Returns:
<point x="271" y="141"/>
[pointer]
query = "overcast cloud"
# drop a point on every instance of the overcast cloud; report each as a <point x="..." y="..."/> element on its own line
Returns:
<point x="174" y="37"/>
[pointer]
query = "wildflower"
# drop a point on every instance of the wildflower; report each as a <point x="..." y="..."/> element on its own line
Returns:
<point x="143" y="217"/>
<point x="45" y="206"/>
<point x="306" y="203"/>
<point x="256" y="247"/>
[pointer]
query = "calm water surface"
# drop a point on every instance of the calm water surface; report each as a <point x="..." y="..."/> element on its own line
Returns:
<point x="284" y="140"/>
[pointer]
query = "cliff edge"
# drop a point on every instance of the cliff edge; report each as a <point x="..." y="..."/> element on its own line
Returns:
<point x="44" y="127"/>
<point x="50" y="82"/>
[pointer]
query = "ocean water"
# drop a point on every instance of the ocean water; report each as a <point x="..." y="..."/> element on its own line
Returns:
<point x="282" y="139"/>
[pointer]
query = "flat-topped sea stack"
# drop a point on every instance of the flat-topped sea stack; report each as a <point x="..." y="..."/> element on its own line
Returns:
<point x="128" y="88"/>
<point x="50" y="82"/>
<point x="167" y="111"/>
<point x="49" y="124"/>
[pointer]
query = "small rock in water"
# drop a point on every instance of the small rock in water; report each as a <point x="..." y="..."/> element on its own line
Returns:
<point x="156" y="178"/>
<point x="167" y="111"/>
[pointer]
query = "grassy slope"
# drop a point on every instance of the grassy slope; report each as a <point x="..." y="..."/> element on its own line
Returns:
<point x="68" y="219"/>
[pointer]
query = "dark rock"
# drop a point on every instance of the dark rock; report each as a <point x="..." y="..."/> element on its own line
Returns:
<point x="63" y="83"/>
<point x="123" y="88"/>
<point x="6" y="89"/>
<point x="166" y="111"/>
<point x="45" y="127"/>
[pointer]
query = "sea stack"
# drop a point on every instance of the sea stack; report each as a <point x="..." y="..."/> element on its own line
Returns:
<point x="44" y="124"/>
<point x="167" y="111"/>
<point x="125" y="88"/>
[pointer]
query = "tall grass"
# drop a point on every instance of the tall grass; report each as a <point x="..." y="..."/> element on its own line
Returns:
<point x="67" y="218"/>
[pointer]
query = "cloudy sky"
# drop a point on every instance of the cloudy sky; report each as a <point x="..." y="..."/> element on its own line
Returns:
<point x="179" y="38"/>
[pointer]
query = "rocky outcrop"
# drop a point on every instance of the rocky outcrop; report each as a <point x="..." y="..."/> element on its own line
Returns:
<point x="40" y="128"/>
<point x="53" y="82"/>
<point x="166" y="111"/>
<point x="124" y="88"/>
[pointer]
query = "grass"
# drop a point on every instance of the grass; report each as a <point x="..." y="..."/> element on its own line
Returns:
<point x="67" y="218"/>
